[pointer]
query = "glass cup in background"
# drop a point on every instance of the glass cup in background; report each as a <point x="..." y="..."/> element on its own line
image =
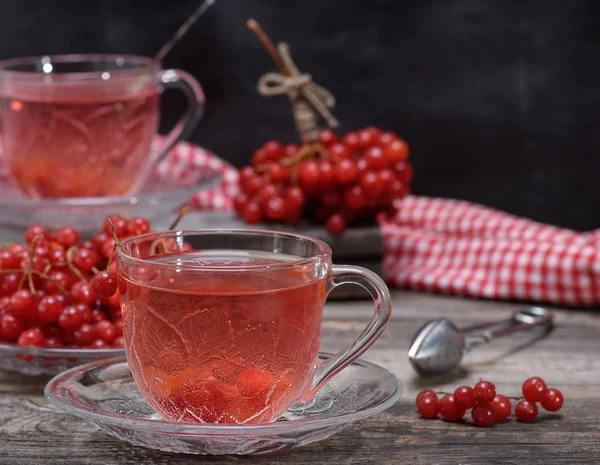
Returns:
<point x="225" y="326"/>
<point x="83" y="125"/>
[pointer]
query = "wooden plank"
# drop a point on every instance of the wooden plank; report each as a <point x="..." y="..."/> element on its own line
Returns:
<point x="32" y="432"/>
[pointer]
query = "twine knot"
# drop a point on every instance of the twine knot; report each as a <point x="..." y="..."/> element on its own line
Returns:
<point x="298" y="86"/>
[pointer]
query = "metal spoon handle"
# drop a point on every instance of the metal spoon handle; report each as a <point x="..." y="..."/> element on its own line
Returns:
<point x="522" y="320"/>
<point x="166" y="48"/>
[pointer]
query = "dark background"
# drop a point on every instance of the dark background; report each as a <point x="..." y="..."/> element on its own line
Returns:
<point x="498" y="99"/>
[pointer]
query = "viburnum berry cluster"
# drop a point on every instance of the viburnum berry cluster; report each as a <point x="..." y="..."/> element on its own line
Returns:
<point x="486" y="406"/>
<point x="58" y="291"/>
<point x="334" y="181"/>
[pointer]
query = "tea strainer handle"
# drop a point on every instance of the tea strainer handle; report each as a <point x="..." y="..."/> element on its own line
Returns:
<point x="374" y="285"/>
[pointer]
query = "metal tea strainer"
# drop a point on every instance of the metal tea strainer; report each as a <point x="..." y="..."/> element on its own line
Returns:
<point x="439" y="346"/>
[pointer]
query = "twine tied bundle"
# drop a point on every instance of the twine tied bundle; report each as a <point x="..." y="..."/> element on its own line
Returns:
<point x="307" y="98"/>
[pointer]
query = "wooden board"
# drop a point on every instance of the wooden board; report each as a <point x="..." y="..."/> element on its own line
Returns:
<point x="32" y="432"/>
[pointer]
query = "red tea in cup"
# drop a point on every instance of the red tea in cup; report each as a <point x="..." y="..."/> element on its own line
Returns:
<point x="230" y="335"/>
<point x="83" y="125"/>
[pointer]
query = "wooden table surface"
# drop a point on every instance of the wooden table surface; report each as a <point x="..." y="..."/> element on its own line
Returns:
<point x="33" y="432"/>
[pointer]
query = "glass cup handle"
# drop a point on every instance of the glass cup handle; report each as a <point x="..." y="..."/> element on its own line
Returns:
<point x="185" y="82"/>
<point x="374" y="285"/>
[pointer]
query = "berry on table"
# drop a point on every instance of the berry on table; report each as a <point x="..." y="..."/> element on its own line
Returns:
<point x="553" y="400"/>
<point x="483" y="415"/>
<point x="428" y="406"/>
<point x="464" y="396"/>
<point x="534" y="389"/>
<point x="501" y="407"/>
<point x="450" y="410"/>
<point x="484" y="391"/>
<point x="526" y="411"/>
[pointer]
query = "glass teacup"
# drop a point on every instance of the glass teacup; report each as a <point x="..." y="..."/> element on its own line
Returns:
<point x="225" y="326"/>
<point x="83" y="125"/>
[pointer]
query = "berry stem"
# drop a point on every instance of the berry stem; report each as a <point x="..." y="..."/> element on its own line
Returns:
<point x="182" y="211"/>
<point x="116" y="239"/>
<point x="268" y="44"/>
<point x="72" y="267"/>
<point x="27" y="273"/>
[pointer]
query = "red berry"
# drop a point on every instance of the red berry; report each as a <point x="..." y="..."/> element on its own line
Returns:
<point x="59" y="277"/>
<point x="119" y="327"/>
<point x="57" y="256"/>
<point x="246" y="173"/>
<point x="346" y="172"/>
<point x="327" y="175"/>
<point x="327" y="137"/>
<point x="484" y="391"/>
<point x="274" y="150"/>
<point x="354" y="198"/>
<point x="308" y="173"/>
<point x="396" y="151"/>
<point x="85" y="312"/>
<point x="10" y="283"/>
<point x="278" y="172"/>
<point x="266" y="193"/>
<point x="104" y="284"/>
<point x="252" y="213"/>
<point x="137" y="226"/>
<point x="108" y="248"/>
<point x="405" y="172"/>
<point x="23" y="303"/>
<point x="67" y="237"/>
<point x="84" y="260"/>
<point x="449" y="410"/>
<point x="385" y="138"/>
<point x="339" y="151"/>
<point x="53" y="343"/>
<point x="9" y="260"/>
<point x="119" y="223"/>
<point x="295" y="197"/>
<point x="275" y="209"/>
<point x="526" y="411"/>
<point x="106" y="331"/>
<point x="424" y="393"/>
<point x="35" y="230"/>
<point x="239" y="202"/>
<point x="70" y="319"/>
<point x="291" y="149"/>
<point x="81" y="293"/>
<point x="336" y="224"/>
<point x="366" y="138"/>
<point x="253" y="184"/>
<point x="42" y="248"/>
<point x="85" y="335"/>
<point x="351" y="142"/>
<point x="464" y="397"/>
<point x="553" y="400"/>
<point x="118" y="342"/>
<point x="375" y="159"/>
<point x="428" y="406"/>
<point x="483" y="415"/>
<point x="49" y="309"/>
<point x="259" y="157"/>
<point x="534" y="389"/>
<point x="32" y="337"/>
<point x="98" y="315"/>
<point x="99" y="240"/>
<point x="11" y="326"/>
<point x="371" y="184"/>
<point x="501" y="407"/>
<point x="98" y="344"/>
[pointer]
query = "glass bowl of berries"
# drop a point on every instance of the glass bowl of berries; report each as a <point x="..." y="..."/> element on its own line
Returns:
<point x="59" y="303"/>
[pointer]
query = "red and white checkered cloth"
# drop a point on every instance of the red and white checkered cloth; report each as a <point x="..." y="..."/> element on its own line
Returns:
<point x="451" y="246"/>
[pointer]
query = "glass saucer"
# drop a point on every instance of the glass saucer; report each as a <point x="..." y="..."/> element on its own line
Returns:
<point x="36" y="361"/>
<point x="104" y="393"/>
<point x="160" y="197"/>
